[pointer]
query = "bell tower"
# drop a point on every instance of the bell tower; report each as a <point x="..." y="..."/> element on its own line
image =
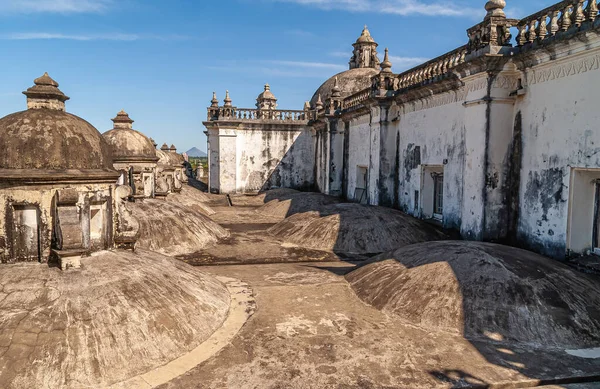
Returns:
<point x="365" y="52"/>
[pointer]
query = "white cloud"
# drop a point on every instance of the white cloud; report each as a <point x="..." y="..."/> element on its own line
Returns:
<point x="54" y="6"/>
<point x="395" y="7"/>
<point x="278" y="68"/>
<point x="405" y="63"/>
<point x="89" y="37"/>
<point x="311" y="65"/>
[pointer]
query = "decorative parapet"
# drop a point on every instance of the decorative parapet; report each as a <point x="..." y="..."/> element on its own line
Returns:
<point x="252" y="115"/>
<point x="356" y="100"/>
<point x="434" y="70"/>
<point x="555" y="19"/>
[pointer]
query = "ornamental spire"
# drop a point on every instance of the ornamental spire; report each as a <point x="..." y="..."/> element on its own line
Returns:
<point x="336" y="91"/>
<point x="227" y="100"/>
<point x="319" y="104"/>
<point x="214" y="102"/>
<point x="386" y="65"/>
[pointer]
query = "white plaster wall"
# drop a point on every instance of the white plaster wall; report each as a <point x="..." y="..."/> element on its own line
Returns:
<point x="560" y="131"/>
<point x="359" y="148"/>
<point x="439" y="133"/>
<point x="213" y="160"/>
<point x="271" y="158"/>
<point x="227" y="160"/>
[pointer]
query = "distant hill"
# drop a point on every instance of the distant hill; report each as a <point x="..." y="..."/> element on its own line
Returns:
<point x="194" y="152"/>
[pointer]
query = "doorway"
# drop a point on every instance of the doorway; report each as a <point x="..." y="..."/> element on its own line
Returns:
<point x="97" y="225"/>
<point x="362" y="178"/>
<point x="26" y="245"/>
<point x="583" y="230"/>
<point x="432" y="192"/>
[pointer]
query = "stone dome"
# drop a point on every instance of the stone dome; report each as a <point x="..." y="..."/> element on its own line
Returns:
<point x="350" y="82"/>
<point x="128" y="144"/>
<point x="47" y="138"/>
<point x="169" y="158"/>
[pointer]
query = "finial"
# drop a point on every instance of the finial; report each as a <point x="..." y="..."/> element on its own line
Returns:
<point x="45" y="80"/>
<point x="45" y="94"/>
<point x="173" y="148"/>
<point x="227" y="99"/>
<point x="386" y="65"/>
<point x="122" y="120"/>
<point x="319" y="104"/>
<point x="267" y="87"/>
<point x="307" y="105"/>
<point x="164" y="147"/>
<point x="336" y="91"/>
<point x="495" y="8"/>
<point x="214" y="102"/>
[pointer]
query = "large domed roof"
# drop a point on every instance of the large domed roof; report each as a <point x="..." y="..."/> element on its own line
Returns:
<point x="47" y="138"/>
<point x="350" y="82"/>
<point x="128" y="144"/>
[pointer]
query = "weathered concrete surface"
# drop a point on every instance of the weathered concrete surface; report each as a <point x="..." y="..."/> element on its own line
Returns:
<point x="354" y="228"/>
<point x="482" y="290"/>
<point x="174" y="229"/>
<point x="283" y="205"/>
<point x="121" y="315"/>
<point x="193" y="199"/>
<point x="241" y="308"/>
<point x="311" y="331"/>
<point x="249" y="241"/>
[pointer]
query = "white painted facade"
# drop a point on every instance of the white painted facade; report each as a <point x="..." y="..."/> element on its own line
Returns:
<point x="246" y="160"/>
<point x="505" y="146"/>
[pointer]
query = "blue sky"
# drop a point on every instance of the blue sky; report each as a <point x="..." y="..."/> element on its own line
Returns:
<point x="161" y="60"/>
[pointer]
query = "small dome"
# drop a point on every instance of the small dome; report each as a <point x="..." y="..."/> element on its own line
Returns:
<point x="129" y="145"/>
<point x="349" y="82"/>
<point x="49" y="139"/>
<point x="45" y="137"/>
<point x="168" y="158"/>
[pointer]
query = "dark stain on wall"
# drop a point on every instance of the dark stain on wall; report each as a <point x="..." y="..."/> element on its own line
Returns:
<point x="513" y="183"/>
<point x="387" y="167"/>
<point x="397" y="173"/>
<point x="345" y="159"/>
<point x="545" y="189"/>
<point x="412" y="160"/>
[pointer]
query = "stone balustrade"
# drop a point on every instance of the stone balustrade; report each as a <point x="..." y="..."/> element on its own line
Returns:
<point x="354" y="101"/>
<point x="433" y="70"/>
<point x="554" y="19"/>
<point x="253" y="114"/>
